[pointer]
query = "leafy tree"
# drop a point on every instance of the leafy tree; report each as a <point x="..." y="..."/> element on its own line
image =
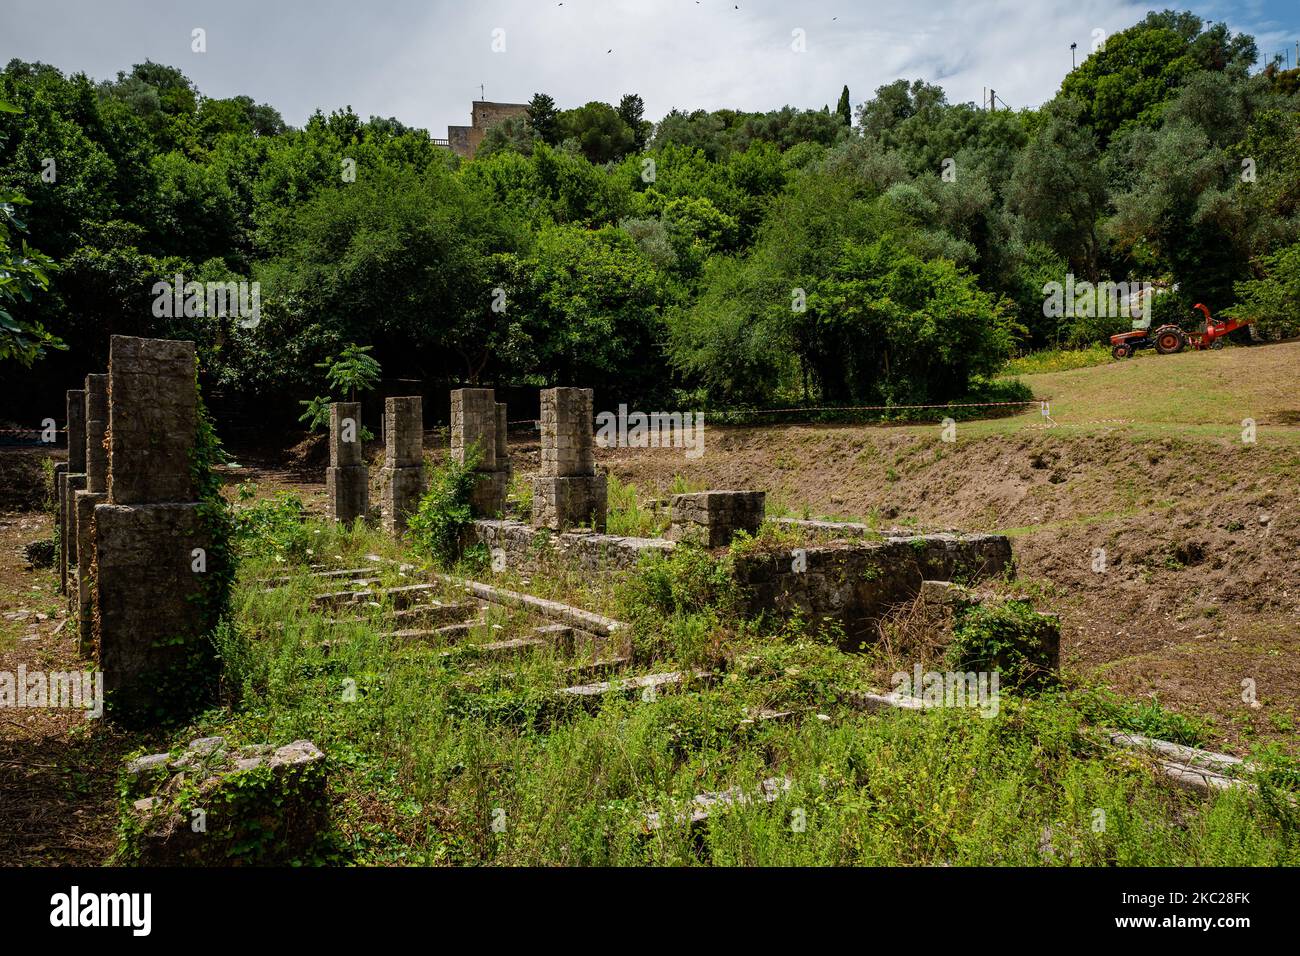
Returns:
<point x="1273" y="299"/>
<point x="543" y="117"/>
<point x="353" y="370"/>
<point x="1058" y="189"/>
<point x="842" y="109"/>
<point x="23" y="271"/>
<point x="631" y="110"/>
<point x="1131" y="77"/>
<point x="513" y="133"/>
<point x="599" y="131"/>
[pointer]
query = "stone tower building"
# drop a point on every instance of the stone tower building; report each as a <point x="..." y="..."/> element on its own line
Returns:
<point x="464" y="140"/>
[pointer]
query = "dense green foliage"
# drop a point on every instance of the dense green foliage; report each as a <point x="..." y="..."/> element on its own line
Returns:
<point x="438" y="526"/>
<point x="884" y="253"/>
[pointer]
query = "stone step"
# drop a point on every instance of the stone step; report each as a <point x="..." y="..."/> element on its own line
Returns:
<point x="399" y="597"/>
<point x="342" y="573"/>
<point x="652" y="683"/>
<point x="554" y="610"/>
<point x="500" y="650"/>
<point x="429" y="614"/>
<point x="358" y="585"/>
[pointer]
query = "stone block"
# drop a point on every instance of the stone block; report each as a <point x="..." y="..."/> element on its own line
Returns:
<point x="152" y="420"/>
<point x="712" y="518"/>
<point x="147" y="604"/>
<point x="568" y="446"/>
<point x="403" y="431"/>
<point x="259" y="805"/>
<point x="85" y="509"/>
<point x="474" y="424"/>
<point x="487" y="499"/>
<point x="96" y="433"/>
<point x="76" y="431"/>
<point x="348" y="490"/>
<point x="346" y="449"/>
<point x="560" y="503"/>
<point x="401" y="489"/>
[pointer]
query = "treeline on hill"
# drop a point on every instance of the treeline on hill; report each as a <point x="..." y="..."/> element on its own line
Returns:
<point x="716" y="258"/>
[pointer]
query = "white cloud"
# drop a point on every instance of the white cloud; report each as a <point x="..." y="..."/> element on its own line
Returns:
<point x="423" y="62"/>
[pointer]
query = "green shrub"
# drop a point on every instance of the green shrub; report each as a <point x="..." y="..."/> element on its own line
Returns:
<point x="1009" y="637"/>
<point x="437" y="527"/>
<point x="272" y="527"/>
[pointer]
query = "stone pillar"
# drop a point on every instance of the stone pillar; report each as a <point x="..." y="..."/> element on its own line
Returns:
<point x="475" y="414"/>
<point x="569" y="491"/>
<point x="403" y="474"/>
<point x="347" y="480"/>
<point x="72" y="486"/>
<point x="149" y="621"/>
<point x="60" y="480"/>
<point x="96" y="432"/>
<point x="60" y="493"/>
<point x="76" y="431"/>
<point x="712" y="518"/>
<point x="85" y="502"/>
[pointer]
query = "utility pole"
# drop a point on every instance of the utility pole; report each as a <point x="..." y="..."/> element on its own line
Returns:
<point x="1073" y="47"/>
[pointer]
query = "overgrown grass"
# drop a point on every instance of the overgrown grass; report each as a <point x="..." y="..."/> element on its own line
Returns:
<point x="437" y="760"/>
<point x="1058" y="360"/>
<point x="626" y="516"/>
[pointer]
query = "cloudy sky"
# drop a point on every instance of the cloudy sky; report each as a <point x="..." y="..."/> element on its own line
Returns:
<point x="423" y="62"/>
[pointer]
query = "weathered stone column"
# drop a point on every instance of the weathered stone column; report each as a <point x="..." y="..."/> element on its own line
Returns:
<point x="712" y="518"/>
<point x="60" y="477"/>
<point x="149" y="619"/>
<point x="403" y="474"/>
<point x="569" y="491"/>
<point x="475" y="414"/>
<point x="73" y="480"/>
<point x="96" y="493"/>
<point x="347" y="480"/>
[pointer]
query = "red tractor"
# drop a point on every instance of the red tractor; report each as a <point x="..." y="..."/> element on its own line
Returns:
<point x="1170" y="338"/>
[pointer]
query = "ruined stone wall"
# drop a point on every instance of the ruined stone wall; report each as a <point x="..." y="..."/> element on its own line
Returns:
<point x="712" y="518"/>
<point x="853" y="585"/>
<point x="525" y="547"/>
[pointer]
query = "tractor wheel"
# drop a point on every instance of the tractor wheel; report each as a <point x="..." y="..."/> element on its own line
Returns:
<point x="1170" y="341"/>
<point x="1217" y="344"/>
<point x="1121" y="351"/>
